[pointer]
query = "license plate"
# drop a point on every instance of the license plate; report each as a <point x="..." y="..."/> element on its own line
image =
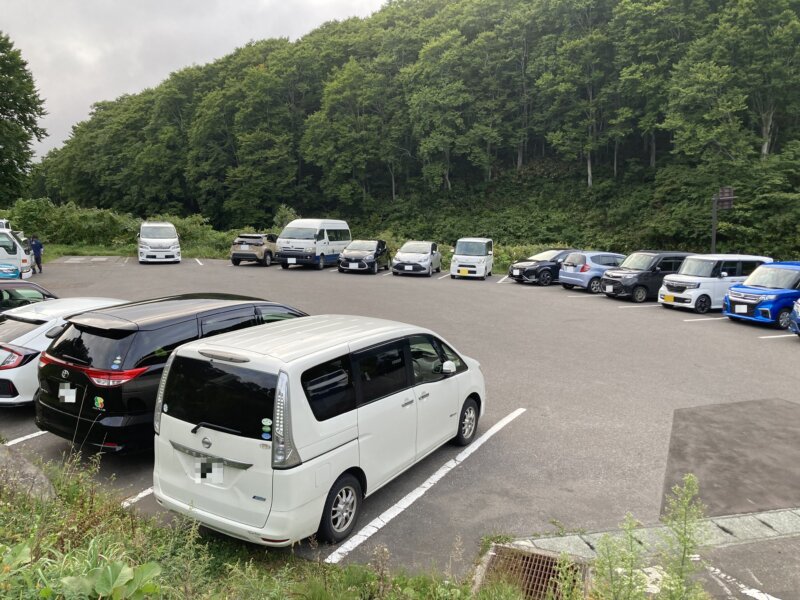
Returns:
<point x="352" y="265"/>
<point x="609" y="289"/>
<point x="409" y="268"/>
<point x="740" y="308"/>
<point x="669" y="298"/>
<point x="209" y="470"/>
<point x="516" y="272"/>
<point x="291" y="261"/>
<point x="245" y="246"/>
<point x="463" y="272"/>
<point x="67" y="393"/>
<point x="568" y="269"/>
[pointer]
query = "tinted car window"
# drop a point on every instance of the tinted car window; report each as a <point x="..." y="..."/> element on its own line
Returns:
<point x="382" y="372"/>
<point x="100" y="348"/>
<point x="425" y="360"/>
<point x="670" y="264"/>
<point x="731" y="267"/>
<point x="228" y="321"/>
<point x="7" y="244"/>
<point x="269" y="314"/>
<point x="451" y="354"/>
<point x="329" y="388"/>
<point x="154" y="347"/>
<point x="228" y="395"/>
<point x="11" y="328"/>
<point x="748" y="266"/>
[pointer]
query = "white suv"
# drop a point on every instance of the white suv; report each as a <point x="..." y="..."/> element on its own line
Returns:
<point x="274" y="433"/>
<point x="703" y="280"/>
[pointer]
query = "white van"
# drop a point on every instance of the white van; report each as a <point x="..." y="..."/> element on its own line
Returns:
<point x="473" y="257"/>
<point x="274" y="433"/>
<point x="14" y="253"/>
<point x="315" y="242"/>
<point x="703" y="280"/>
<point x="158" y="242"/>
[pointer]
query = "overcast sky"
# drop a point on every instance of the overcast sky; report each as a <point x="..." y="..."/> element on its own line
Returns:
<point x="83" y="51"/>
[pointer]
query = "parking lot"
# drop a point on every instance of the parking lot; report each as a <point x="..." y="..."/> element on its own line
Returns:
<point x="600" y="405"/>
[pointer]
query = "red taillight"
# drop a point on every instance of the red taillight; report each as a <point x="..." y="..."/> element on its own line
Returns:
<point x="17" y="356"/>
<point x="99" y="377"/>
<point x="584" y="268"/>
<point x="12" y="361"/>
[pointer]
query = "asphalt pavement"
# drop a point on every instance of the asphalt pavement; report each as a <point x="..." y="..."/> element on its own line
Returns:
<point x="620" y="400"/>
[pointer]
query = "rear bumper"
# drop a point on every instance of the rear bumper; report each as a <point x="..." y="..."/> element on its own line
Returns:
<point x="576" y="279"/>
<point x="112" y="433"/>
<point x="245" y="256"/>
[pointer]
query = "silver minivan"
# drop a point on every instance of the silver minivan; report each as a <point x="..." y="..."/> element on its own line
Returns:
<point x="158" y="242"/>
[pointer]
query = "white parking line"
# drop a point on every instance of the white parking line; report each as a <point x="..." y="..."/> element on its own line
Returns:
<point x="722" y="579"/>
<point x="387" y="274"/>
<point x="444" y="276"/>
<point x="641" y="306"/>
<point x="774" y="337"/>
<point x="137" y="497"/>
<point x="25" y="438"/>
<point x="705" y="319"/>
<point x="334" y="271"/>
<point x="125" y="262"/>
<point x="587" y="295"/>
<point x="383" y="519"/>
<point x="503" y="279"/>
<point x="198" y="262"/>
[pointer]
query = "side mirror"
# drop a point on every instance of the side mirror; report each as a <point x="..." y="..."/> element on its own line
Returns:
<point x="723" y="275"/>
<point x="138" y="235"/>
<point x="54" y="332"/>
<point x="449" y="367"/>
<point x="656" y="269"/>
<point x="490" y="253"/>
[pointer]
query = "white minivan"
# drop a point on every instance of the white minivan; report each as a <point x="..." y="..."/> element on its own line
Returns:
<point x="315" y="242"/>
<point x="703" y="280"/>
<point x="158" y="242"/>
<point x="472" y="257"/>
<point x="277" y="432"/>
<point x="14" y="254"/>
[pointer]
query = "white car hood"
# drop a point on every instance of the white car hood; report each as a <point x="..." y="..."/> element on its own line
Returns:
<point x="411" y="257"/>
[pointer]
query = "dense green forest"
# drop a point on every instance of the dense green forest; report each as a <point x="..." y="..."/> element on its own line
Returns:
<point x="588" y="122"/>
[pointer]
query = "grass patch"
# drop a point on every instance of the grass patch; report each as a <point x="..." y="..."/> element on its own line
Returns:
<point x="83" y="544"/>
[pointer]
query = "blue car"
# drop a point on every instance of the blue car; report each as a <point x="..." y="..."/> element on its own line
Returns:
<point x="584" y="269"/>
<point x="766" y="296"/>
<point x="9" y="271"/>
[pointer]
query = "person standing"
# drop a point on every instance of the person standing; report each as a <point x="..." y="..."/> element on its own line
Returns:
<point x="37" y="248"/>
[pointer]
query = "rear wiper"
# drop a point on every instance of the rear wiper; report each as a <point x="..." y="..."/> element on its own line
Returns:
<point x="77" y="360"/>
<point x="215" y="426"/>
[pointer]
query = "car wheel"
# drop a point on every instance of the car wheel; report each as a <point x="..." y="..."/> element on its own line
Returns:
<point x="439" y="268"/>
<point x="374" y="268"/>
<point x="567" y="286"/>
<point x="545" y="278"/>
<point x="467" y="423"/>
<point x="784" y="318"/>
<point x="702" y="305"/>
<point x="321" y="263"/>
<point x="395" y="273"/>
<point x="341" y="270"/>
<point x="430" y="270"/>
<point x="594" y="286"/>
<point x="639" y="294"/>
<point x="267" y="259"/>
<point x="341" y="510"/>
<point x="235" y="262"/>
<point x="452" y="276"/>
<point x="284" y="266"/>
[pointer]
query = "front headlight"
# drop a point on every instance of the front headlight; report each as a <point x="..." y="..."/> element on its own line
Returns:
<point x="480" y="260"/>
<point x="144" y="247"/>
<point x="769" y="297"/>
<point x="311" y="249"/>
<point x="425" y="259"/>
<point x="369" y="257"/>
<point x="691" y="286"/>
<point x="395" y="261"/>
<point x="629" y="278"/>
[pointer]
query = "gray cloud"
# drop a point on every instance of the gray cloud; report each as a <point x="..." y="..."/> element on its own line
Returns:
<point x="84" y="51"/>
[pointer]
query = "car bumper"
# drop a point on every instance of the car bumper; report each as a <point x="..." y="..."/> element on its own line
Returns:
<point x="18" y="386"/>
<point x="355" y="265"/>
<point x="245" y="256"/>
<point x="616" y="288"/>
<point x="576" y="279"/>
<point x="159" y="256"/>
<point x="468" y="270"/>
<point x="521" y="276"/>
<point x="408" y="268"/>
<point x="113" y="432"/>
<point x="297" y="258"/>
<point x="684" y="299"/>
<point x="762" y="312"/>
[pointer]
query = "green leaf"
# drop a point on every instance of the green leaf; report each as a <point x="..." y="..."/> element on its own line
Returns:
<point x="111" y="577"/>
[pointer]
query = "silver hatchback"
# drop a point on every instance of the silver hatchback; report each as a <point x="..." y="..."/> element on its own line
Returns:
<point x="417" y="258"/>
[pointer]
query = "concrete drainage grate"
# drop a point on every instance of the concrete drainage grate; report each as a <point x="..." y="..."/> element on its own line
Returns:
<point x="534" y="571"/>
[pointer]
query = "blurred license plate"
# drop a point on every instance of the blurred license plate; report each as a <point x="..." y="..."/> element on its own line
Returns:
<point x="208" y="469"/>
<point x="463" y="272"/>
<point x="245" y="246"/>
<point x="409" y="268"/>
<point x="291" y="261"/>
<point x="609" y="289"/>
<point x="516" y="272"/>
<point x="67" y="393"/>
<point x="353" y="265"/>
<point x="740" y="308"/>
<point x="669" y="298"/>
<point x="569" y="269"/>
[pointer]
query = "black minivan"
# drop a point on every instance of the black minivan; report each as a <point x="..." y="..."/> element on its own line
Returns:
<point x="99" y="378"/>
<point x="641" y="274"/>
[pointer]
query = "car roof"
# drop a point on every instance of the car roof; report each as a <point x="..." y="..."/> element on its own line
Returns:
<point x="417" y="242"/>
<point x="295" y="338"/>
<point x="159" y="312"/>
<point x="673" y="252"/>
<point x="156" y="223"/>
<point x="474" y="239"/>
<point x="597" y="252"/>
<point x="730" y="257"/>
<point x="792" y="265"/>
<point x="315" y="222"/>
<point x="61" y="307"/>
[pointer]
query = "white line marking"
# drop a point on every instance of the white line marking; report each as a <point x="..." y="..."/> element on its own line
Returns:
<point x="742" y="588"/>
<point x="25" y="438"/>
<point x="586" y="295"/>
<point x="705" y="319"/>
<point x="384" y="518"/>
<point x="336" y="271"/>
<point x="773" y="337"/>
<point x="198" y="262"/>
<point x="125" y="262"/>
<point x="387" y="274"/>
<point x="137" y="497"/>
<point x="503" y="279"/>
<point x="640" y="306"/>
<point x="444" y="276"/>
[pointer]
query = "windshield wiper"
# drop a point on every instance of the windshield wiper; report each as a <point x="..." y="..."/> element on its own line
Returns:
<point x="77" y="360"/>
<point x="216" y="427"/>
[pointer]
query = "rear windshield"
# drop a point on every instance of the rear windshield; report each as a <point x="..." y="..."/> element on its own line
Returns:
<point x="11" y="328"/>
<point x="158" y="232"/>
<point x="638" y="261"/>
<point x="218" y="393"/>
<point x="101" y="349"/>
<point x="576" y="258"/>
<point x="774" y="278"/>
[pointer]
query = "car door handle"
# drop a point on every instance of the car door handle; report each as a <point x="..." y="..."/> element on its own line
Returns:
<point x="408" y="402"/>
<point x="424" y="395"/>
